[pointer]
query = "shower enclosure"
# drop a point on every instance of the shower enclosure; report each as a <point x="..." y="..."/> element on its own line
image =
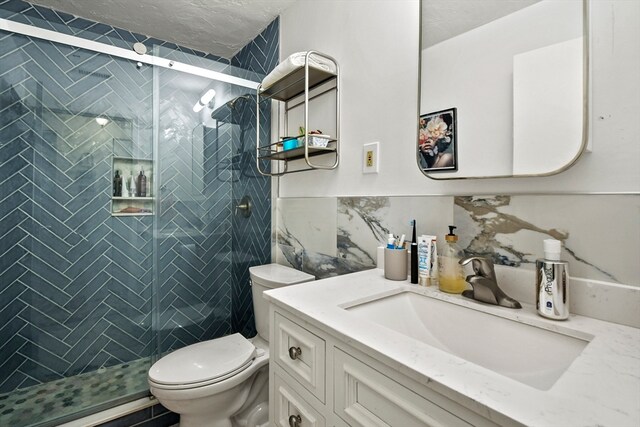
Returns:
<point x="96" y="285"/>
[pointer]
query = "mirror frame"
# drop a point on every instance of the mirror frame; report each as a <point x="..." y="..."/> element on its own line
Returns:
<point x="585" y="106"/>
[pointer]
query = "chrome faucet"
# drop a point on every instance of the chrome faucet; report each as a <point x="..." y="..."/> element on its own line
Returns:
<point x="485" y="285"/>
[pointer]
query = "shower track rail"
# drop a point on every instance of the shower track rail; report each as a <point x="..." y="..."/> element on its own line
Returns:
<point x="41" y="33"/>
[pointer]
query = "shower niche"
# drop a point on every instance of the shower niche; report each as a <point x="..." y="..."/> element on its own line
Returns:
<point x="132" y="190"/>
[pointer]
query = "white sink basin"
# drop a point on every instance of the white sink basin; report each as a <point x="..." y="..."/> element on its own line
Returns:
<point x="528" y="354"/>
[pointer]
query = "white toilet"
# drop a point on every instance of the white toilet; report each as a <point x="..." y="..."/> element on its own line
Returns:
<point x="224" y="382"/>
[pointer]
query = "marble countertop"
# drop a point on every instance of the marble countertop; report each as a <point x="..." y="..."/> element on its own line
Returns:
<point x="600" y="388"/>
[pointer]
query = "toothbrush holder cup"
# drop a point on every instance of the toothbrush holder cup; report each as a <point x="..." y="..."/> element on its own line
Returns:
<point x="395" y="264"/>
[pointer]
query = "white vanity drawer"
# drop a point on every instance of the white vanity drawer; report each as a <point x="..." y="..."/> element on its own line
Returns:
<point x="365" y="397"/>
<point x="291" y="409"/>
<point x="301" y="354"/>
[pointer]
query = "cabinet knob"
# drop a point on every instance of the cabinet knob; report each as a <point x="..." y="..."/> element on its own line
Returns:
<point x="294" y="352"/>
<point x="295" y="421"/>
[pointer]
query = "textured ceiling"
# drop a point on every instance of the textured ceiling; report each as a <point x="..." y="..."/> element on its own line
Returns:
<point x="223" y="27"/>
<point x="443" y="19"/>
<point x="220" y="27"/>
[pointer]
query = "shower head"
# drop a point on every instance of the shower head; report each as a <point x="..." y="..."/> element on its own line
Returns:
<point x="232" y="103"/>
<point x="227" y="112"/>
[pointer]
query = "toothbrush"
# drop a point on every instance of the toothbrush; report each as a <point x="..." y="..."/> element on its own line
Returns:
<point x="413" y="223"/>
<point x="414" y="254"/>
<point x="401" y="244"/>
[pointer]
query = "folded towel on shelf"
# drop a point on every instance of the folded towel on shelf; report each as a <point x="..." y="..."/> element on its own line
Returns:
<point x="295" y="61"/>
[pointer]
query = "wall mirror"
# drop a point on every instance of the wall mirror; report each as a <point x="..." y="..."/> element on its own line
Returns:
<point x="503" y="87"/>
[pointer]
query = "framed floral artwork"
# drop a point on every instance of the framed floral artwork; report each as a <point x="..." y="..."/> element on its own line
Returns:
<point x="437" y="143"/>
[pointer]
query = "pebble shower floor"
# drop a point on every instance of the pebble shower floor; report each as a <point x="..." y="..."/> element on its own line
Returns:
<point x="43" y="403"/>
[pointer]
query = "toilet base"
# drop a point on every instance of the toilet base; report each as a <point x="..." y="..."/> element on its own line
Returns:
<point x="258" y="417"/>
<point x="202" y="421"/>
<point x="244" y="405"/>
<point x="255" y="413"/>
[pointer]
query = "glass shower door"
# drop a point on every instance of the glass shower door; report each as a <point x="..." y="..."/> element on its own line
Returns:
<point x="75" y="286"/>
<point x="194" y="207"/>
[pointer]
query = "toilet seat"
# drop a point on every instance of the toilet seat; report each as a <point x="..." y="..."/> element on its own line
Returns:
<point x="201" y="383"/>
<point x="203" y="364"/>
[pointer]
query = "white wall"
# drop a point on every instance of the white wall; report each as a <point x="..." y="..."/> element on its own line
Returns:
<point x="376" y="44"/>
<point x="547" y="107"/>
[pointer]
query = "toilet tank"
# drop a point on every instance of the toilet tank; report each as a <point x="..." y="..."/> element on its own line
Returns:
<point x="271" y="276"/>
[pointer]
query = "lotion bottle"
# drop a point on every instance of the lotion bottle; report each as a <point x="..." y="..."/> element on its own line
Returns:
<point x="424" y="260"/>
<point x="451" y="278"/>
<point x="552" y="283"/>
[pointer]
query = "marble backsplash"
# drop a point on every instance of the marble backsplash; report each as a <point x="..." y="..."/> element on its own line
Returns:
<point x="338" y="235"/>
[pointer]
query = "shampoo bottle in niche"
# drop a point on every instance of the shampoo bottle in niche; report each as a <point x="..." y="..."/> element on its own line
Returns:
<point x="141" y="185"/>
<point x="552" y="283"/>
<point x="125" y="185"/>
<point x="117" y="185"/>
<point x="451" y="278"/>
<point x="131" y="182"/>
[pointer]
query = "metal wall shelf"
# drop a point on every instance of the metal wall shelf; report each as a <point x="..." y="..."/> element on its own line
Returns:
<point x="299" y="153"/>
<point x="295" y="84"/>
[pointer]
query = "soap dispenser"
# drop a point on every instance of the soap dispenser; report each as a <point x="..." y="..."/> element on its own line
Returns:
<point x="451" y="278"/>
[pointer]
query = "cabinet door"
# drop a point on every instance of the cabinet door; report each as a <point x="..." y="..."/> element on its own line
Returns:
<point x="291" y="410"/>
<point x="365" y="397"/>
<point x="301" y="354"/>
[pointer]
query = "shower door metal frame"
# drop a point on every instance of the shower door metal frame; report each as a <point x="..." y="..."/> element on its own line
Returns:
<point x="79" y="42"/>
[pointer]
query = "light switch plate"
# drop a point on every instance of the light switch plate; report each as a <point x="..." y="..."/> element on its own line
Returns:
<point x="370" y="158"/>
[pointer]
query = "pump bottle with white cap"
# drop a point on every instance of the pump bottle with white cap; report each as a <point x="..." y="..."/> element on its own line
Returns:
<point x="552" y="283"/>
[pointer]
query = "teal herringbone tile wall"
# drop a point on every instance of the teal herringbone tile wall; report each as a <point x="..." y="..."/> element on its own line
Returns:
<point x="252" y="236"/>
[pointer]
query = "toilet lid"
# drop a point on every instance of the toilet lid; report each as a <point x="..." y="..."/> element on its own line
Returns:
<point x="276" y="275"/>
<point x="204" y="361"/>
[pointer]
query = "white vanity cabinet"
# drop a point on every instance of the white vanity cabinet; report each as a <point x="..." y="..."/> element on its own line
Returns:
<point x="297" y="375"/>
<point x="345" y="353"/>
<point x="318" y="380"/>
<point x="287" y="406"/>
<point x="301" y="354"/>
